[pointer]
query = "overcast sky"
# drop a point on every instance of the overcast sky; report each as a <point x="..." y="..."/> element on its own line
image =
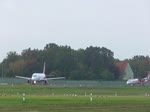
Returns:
<point x="122" y="26"/>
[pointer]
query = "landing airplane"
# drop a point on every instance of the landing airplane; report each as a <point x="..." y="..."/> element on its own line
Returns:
<point x="139" y="81"/>
<point x="39" y="77"/>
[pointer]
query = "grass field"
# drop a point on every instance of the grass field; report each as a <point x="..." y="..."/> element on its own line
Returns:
<point x="74" y="99"/>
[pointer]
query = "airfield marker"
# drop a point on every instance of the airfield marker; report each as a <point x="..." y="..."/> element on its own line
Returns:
<point x="12" y="85"/>
<point x="91" y="98"/>
<point x="23" y="97"/>
<point x="53" y="94"/>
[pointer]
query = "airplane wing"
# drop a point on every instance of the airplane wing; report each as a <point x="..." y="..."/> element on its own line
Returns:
<point x="27" y="78"/>
<point x="56" y="78"/>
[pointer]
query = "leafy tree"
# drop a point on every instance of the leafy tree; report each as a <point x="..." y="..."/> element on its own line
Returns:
<point x="140" y="65"/>
<point x="93" y="63"/>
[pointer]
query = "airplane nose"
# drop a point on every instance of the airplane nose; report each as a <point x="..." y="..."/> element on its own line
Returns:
<point x="33" y="78"/>
<point x="127" y="82"/>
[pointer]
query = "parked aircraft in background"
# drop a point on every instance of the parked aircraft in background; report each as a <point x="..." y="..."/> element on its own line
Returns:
<point x="139" y="81"/>
<point x="39" y="77"/>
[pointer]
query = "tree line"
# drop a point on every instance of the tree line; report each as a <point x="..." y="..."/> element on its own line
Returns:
<point x="92" y="63"/>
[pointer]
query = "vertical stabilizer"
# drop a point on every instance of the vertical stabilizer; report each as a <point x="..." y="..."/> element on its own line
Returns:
<point x="44" y="68"/>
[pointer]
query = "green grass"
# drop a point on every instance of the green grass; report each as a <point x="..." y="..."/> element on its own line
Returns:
<point x="61" y="99"/>
<point x="48" y="90"/>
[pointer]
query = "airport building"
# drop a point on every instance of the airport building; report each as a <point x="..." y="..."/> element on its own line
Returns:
<point x="125" y="70"/>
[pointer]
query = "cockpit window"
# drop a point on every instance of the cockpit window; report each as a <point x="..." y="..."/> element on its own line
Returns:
<point x="34" y="75"/>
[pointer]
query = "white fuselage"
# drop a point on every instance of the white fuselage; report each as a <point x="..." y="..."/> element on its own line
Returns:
<point x="38" y="77"/>
<point x="137" y="81"/>
<point x="133" y="81"/>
